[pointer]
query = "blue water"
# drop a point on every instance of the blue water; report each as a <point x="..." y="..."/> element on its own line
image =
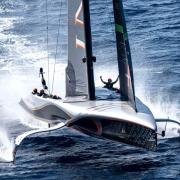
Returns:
<point x="154" y="34"/>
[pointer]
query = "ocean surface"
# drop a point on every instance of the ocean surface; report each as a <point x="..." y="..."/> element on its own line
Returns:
<point x="154" y="35"/>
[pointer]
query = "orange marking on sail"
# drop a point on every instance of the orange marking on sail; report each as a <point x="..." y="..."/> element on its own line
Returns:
<point x="80" y="44"/>
<point x="77" y="16"/>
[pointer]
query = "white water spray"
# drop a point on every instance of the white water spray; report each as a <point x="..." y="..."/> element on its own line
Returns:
<point x="162" y="108"/>
<point x="6" y="147"/>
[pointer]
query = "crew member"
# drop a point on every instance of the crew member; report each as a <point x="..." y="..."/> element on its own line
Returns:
<point x="35" y="91"/>
<point x="109" y="84"/>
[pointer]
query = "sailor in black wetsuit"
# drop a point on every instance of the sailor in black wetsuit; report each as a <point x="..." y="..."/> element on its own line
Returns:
<point x="110" y="83"/>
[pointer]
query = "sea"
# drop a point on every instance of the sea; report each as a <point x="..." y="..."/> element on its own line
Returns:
<point x="33" y="34"/>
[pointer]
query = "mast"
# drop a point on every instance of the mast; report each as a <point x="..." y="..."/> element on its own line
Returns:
<point x="124" y="55"/>
<point x="89" y="56"/>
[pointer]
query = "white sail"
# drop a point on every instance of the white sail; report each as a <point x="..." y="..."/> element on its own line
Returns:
<point x="76" y="71"/>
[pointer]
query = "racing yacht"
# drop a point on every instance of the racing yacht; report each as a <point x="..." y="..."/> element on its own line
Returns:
<point x="98" y="112"/>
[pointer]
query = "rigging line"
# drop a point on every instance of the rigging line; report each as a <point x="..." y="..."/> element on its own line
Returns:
<point x="57" y="41"/>
<point x="47" y="41"/>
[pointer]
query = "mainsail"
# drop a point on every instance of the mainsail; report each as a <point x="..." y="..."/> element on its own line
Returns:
<point x="79" y="72"/>
<point x="124" y="55"/>
<point x="76" y="71"/>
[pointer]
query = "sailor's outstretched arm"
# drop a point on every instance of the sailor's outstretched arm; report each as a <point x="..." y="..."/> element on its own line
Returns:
<point x="115" y="80"/>
<point x="102" y="80"/>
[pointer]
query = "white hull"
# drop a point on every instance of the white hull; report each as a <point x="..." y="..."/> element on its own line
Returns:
<point x="111" y="119"/>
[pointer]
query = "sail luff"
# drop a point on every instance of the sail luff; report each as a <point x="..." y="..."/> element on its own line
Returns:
<point x="129" y="58"/>
<point x="79" y="72"/>
<point x="76" y="71"/>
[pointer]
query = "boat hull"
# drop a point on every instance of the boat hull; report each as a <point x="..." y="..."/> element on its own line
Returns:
<point x="114" y="120"/>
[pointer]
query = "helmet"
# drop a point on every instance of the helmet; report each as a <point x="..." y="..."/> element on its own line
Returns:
<point x="35" y="90"/>
<point x="109" y="80"/>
